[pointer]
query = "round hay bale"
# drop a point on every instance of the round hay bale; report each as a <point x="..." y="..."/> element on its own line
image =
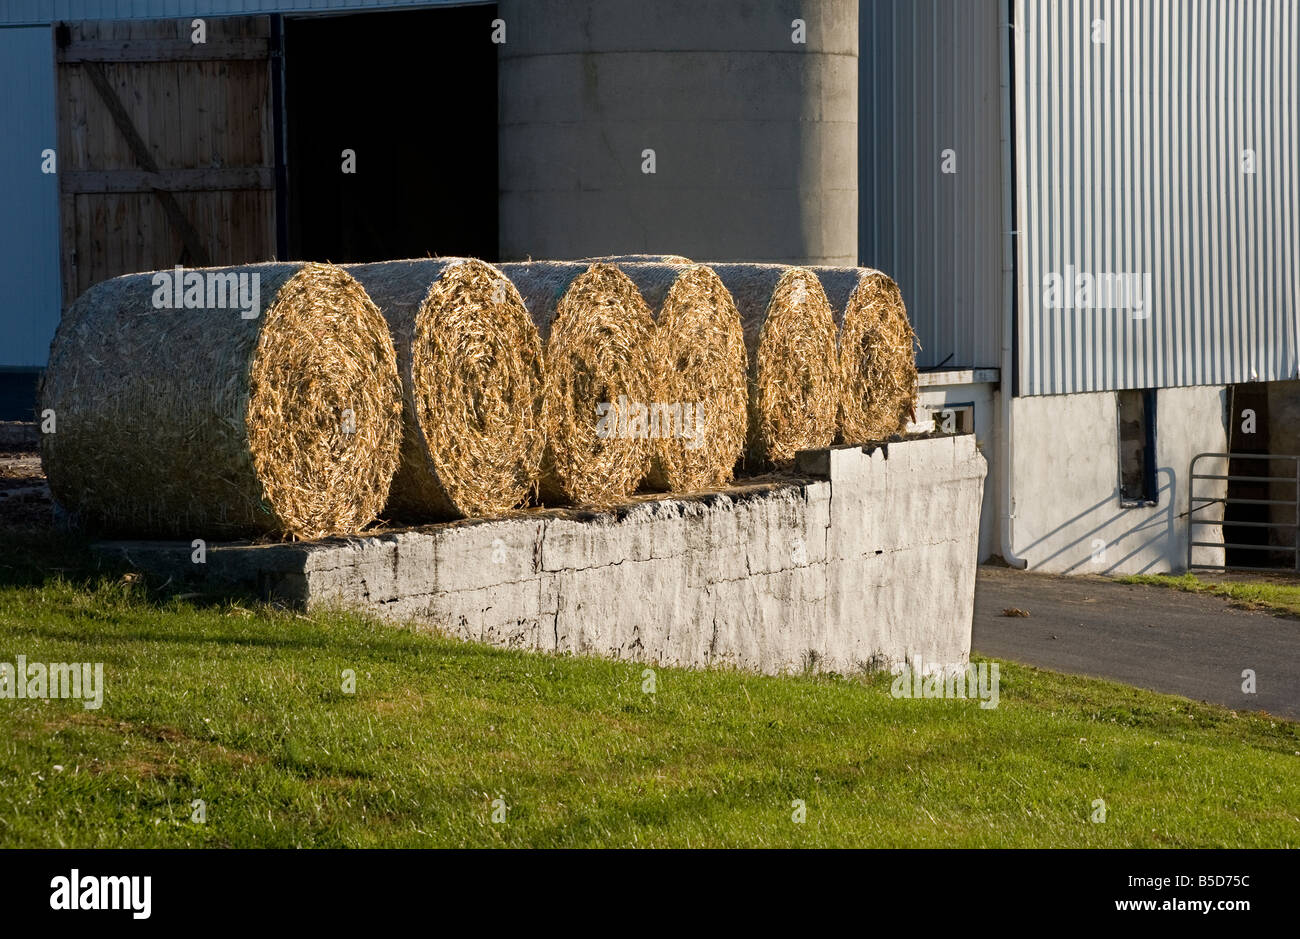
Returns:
<point x="177" y="413"/>
<point x="877" y="357"/>
<point x="598" y="336"/>
<point x="471" y="366"/>
<point x="699" y="421"/>
<point x="794" y="380"/>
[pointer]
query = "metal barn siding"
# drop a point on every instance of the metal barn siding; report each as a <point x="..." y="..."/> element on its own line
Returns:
<point x="21" y="12"/>
<point x="1130" y="160"/>
<point x="29" y="199"/>
<point x="929" y="80"/>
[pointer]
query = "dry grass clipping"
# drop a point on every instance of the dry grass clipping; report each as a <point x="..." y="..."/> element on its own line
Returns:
<point x="877" y="354"/>
<point x="200" y="423"/>
<point x="794" y="380"/>
<point x="700" y="366"/>
<point x="471" y="366"/>
<point x="598" y="334"/>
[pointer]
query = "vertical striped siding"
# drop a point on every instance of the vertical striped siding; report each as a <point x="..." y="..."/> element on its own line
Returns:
<point x="929" y="81"/>
<point x="1131" y="159"/>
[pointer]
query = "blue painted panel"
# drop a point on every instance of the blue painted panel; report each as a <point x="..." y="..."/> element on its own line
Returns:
<point x="29" y="199"/>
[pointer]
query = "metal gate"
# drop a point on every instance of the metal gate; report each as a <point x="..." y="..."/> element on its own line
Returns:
<point x="1268" y="465"/>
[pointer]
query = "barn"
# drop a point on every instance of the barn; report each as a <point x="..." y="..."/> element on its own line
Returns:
<point x="1091" y="205"/>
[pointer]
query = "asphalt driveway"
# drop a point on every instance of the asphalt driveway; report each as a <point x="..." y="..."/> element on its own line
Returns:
<point x="1153" y="637"/>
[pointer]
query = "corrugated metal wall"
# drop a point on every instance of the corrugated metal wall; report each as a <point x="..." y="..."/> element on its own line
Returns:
<point x="1130" y="161"/>
<point x="18" y="12"/>
<point x="29" y="198"/>
<point x="929" y="81"/>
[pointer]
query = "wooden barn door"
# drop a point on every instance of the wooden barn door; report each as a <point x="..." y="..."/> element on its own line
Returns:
<point x="166" y="153"/>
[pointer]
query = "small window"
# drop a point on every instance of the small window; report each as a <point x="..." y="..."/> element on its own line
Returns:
<point x="954" y="418"/>
<point x="1137" y="447"/>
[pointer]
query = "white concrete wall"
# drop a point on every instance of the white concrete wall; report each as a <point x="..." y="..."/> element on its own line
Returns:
<point x="868" y="562"/>
<point x="869" y="568"/>
<point x="1068" y="516"/>
<point x="931" y="399"/>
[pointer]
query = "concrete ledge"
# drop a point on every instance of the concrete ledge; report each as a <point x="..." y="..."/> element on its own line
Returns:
<point x="961" y="376"/>
<point x="864" y="559"/>
<point x="19" y="436"/>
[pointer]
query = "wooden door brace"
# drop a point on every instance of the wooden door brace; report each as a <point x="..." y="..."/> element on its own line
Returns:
<point x="189" y="237"/>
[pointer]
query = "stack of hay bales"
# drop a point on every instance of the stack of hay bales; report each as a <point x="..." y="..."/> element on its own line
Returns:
<point x="471" y="366"/>
<point x="175" y="412"/>
<point x="442" y="388"/>
<point x="812" y="380"/>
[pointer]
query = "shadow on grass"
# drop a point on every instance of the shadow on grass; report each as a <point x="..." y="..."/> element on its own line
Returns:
<point x="35" y="557"/>
<point x="119" y="594"/>
<point x="32" y="556"/>
<point x="43" y="556"/>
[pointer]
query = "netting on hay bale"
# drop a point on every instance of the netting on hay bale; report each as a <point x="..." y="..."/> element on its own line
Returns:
<point x="794" y="381"/>
<point x="180" y="411"/>
<point x="639" y="259"/>
<point x="471" y="364"/>
<point x="597" y="335"/>
<point x="877" y="353"/>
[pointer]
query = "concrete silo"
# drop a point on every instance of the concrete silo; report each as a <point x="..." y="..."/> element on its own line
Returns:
<point x="745" y="111"/>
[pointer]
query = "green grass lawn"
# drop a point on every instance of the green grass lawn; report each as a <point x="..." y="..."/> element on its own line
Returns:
<point x="1262" y="594"/>
<point x="241" y="705"/>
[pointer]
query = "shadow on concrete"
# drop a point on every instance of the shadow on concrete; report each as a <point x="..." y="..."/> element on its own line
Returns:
<point x="1162" y="526"/>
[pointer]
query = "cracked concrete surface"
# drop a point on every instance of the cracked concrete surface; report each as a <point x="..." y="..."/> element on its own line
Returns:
<point x="773" y="577"/>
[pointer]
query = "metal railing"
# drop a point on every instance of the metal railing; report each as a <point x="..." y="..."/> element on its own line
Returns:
<point x="1227" y="500"/>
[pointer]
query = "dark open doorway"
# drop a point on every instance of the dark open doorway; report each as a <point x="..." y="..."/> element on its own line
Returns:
<point x="1263" y="510"/>
<point x="414" y="95"/>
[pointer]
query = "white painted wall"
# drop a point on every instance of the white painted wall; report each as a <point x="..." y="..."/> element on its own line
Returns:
<point x="933" y="399"/>
<point x="1067" y="506"/>
<point x="870" y="562"/>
